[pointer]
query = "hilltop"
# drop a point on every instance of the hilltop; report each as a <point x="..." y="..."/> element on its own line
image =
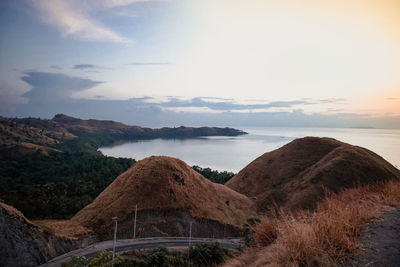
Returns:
<point x="296" y="175"/>
<point x="169" y="194"/>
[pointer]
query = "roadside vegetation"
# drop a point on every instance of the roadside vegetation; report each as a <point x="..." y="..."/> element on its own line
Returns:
<point x="198" y="255"/>
<point x="325" y="237"/>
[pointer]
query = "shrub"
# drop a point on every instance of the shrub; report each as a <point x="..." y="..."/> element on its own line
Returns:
<point x="207" y="254"/>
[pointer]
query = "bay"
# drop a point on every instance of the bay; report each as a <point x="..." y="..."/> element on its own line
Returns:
<point x="234" y="153"/>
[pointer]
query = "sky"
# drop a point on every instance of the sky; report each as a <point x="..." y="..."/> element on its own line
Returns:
<point x="333" y="63"/>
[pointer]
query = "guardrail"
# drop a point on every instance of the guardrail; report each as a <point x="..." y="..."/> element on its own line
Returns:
<point x="185" y="238"/>
<point x="104" y="245"/>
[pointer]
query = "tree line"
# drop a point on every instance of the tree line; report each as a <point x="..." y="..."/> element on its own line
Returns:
<point x="58" y="185"/>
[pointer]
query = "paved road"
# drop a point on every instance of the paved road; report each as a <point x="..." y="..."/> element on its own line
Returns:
<point x="144" y="243"/>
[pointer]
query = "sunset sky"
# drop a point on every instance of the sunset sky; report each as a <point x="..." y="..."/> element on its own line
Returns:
<point x="333" y="61"/>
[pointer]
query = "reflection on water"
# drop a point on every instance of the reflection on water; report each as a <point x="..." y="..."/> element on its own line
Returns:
<point x="234" y="153"/>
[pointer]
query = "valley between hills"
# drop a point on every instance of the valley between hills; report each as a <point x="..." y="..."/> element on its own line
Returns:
<point x="58" y="193"/>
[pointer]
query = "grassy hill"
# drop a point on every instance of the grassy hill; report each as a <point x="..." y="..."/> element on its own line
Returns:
<point x="169" y="194"/>
<point x="296" y="175"/>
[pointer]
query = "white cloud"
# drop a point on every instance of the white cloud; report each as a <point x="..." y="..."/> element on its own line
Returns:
<point x="72" y="18"/>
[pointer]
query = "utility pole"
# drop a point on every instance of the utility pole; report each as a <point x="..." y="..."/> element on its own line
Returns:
<point x="134" y="224"/>
<point x="190" y="235"/>
<point x="115" y="220"/>
<point x="225" y="222"/>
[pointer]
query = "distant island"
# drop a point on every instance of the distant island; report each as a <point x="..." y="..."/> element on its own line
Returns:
<point x="32" y="134"/>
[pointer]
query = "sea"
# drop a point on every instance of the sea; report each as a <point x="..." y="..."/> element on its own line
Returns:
<point x="234" y="153"/>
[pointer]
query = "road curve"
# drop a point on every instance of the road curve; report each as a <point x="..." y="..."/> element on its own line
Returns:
<point x="143" y="243"/>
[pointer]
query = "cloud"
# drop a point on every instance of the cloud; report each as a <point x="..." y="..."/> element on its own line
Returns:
<point x="220" y="104"/>
<point x="193" y="109"/>
<point x="71" y="18"/>
<point x="150" y="63"/>
<point x="118" y="3"/>
<point x="55" y="67"/>
<point x="50" y="87"/>
<point x="51" y="94"/>
<point x="332" y="100"/>
<point x="92" y="71"/>
<point x="86" y="66"/>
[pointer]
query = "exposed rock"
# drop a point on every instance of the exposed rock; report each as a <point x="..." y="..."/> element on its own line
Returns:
<point x="24" y="244"/>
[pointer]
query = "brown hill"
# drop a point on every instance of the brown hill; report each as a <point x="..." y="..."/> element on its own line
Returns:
<point x="169" y="195"/>
<point x="296" y="175"/>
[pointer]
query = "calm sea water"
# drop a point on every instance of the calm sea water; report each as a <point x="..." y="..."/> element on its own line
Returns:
<point x="234" y="153"/>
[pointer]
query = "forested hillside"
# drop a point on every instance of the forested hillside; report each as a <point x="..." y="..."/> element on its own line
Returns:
<point x="57" y="185"/>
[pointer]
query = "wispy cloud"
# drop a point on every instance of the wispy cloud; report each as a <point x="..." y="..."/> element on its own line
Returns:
<point x="332" y="100"/>
<point x="71" y="18"/>
<point x="150" y="63"/>
<point x="55" y="67"/>
<point x="86" y="66"/>
<point x="210" y="104"/>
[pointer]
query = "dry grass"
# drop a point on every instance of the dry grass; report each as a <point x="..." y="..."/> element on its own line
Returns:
<point x="11" y="211"/>
<point x="264" y="233"/>
<point x="64" y="228"/>
<point x="325" y="237"/>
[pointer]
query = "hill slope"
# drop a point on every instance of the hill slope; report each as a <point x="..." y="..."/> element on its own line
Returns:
<point x="24" y="244"/>
<point x="296" y="175"/>
<point x="169" y="195"/>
